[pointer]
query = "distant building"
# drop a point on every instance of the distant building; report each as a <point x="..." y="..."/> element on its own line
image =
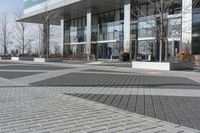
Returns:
<point x="105" y="28"/>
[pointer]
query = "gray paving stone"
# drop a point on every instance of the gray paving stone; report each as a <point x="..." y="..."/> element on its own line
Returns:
<point x="14" y="75"/>
<point x="115" y="80"/>
<point x="32" y="67"/>
<point x="163" y="108"/>
<point x="50" y="109"/>
<point x="107" y="71"/>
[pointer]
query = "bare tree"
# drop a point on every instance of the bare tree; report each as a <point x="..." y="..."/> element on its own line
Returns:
<point x="56" y="49"/>
<point x="47" y="18"/>
<point x="22" y="36"/>
<point x="4" y="32"/>
<point x="158" y="22"/>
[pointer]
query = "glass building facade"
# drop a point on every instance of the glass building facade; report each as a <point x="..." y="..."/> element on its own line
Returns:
<point x="106" y="34"/>
<point x="196" y="27"/>
<point x="145" y="43"/>
<point x="31" y="3"/>
<point x="108" y="29"/>
<point x="75" y="36"/>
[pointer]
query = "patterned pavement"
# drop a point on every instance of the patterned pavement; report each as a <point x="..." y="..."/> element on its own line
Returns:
<point x="14" y="75"/>
<point x="84" y="98"/>
<point x="119" y="80"/>
<point x="179" y="110"/>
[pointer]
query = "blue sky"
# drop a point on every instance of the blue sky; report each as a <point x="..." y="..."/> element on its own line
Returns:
<point x="11" y="6"/>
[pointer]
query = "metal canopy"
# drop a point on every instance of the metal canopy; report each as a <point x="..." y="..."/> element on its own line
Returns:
<point x="74" y="10"/>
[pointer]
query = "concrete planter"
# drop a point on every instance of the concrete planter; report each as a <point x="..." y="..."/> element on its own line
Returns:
<point x="5" y="58"/>
<point x="181" y="66"/>
<point x="22" y="58"/>
<point x="162" y="65"/>
<point x="48" y="59"/>
<point x="15" y="58"/>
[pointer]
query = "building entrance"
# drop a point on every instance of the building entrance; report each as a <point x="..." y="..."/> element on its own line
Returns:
<point x="106" y="50"/>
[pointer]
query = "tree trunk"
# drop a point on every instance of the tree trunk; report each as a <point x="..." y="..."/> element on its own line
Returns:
<point x="160" y="54"/>
<point x="5" y="50"/>
<point x="166" y="50"/>
<point x="23" y="49"/>
<point x="5" y="41"/>
<point x="161" y="31"/>
<point x="46" y="30"/>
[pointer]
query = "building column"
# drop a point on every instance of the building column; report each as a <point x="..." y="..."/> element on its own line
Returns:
<point x="89" y="28"/>
<point x="186" y="25"/>
<point x="46" y="40"/>
<point x="62" y="36"/>
<point x="127" y="25"/>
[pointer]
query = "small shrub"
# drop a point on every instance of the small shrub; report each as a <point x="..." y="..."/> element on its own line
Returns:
<point x="55" y="56"/>
<point x="184" y="56"/>
<point x="52" y="56"/>
<point x="77" y="56"/>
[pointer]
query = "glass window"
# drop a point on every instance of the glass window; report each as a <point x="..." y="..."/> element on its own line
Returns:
<point x="80" y="22"/>
<point x="107" y="17"/>
<point x="84" y="21"/>
<point x="146" y="28"/>
<point x="176" y="7"/>
<point x="151" y="9"/>
<point x="143" y="10"/>
<point x="196" y="27"/>
<point x="112" y="16"/>
<point x="76" y="22"/>
<point x="117" y="15"/>
<point x="30" y="3"/>
<point x="75" y="30"/>
<point x="101" y="18"/>
<point x="122" y="14"/>
<point x="107" y="26"/>
<point x="94" y="19"/>
<point x="147" y="50"/>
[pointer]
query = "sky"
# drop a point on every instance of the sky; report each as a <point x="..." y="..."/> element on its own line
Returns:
<point x="15" y="6"/>
<point x="11" y="6"/>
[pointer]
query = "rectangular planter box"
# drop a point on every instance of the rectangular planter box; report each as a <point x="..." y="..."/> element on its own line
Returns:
<point x="22" y="58"/>
<point x="15" y="58"/>
<point x="48" y="59"/>
<point x="5" y="58"/>
<point x="181" y="66"/>
<point x="162" y="65"/>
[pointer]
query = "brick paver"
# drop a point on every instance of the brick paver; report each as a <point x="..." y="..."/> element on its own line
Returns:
<point x="31" y="67"/>
<point x="119" y="80"/>
<point x="14" y="75"/>
<point x="43" y="110"/>
<point x="179" y="110"/>
<point x="72" y="101"/>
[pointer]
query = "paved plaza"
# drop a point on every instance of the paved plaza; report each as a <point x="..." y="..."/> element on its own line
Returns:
<point x="83" y="98"/>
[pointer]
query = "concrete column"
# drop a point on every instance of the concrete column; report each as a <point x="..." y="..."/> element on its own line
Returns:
<point x="46" y="39"/>
<point x="62" y="36"/>
<point x="127" y="25"/>
<point x="89" y="28"/>
<point x="186" y="25"/>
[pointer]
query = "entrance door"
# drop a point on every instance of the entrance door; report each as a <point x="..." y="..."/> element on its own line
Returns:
<point x="103" y="51"/>
<point x="106" y="50"/>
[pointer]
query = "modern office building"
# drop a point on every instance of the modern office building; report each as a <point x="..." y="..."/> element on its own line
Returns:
<point x="105" y="28"/>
